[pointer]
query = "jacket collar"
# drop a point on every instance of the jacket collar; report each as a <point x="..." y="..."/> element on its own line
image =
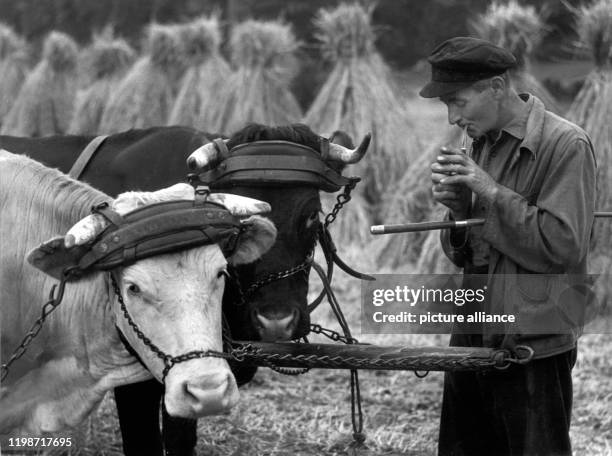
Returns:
<point x="535" y="124"/>
<point x="532" y="135"/>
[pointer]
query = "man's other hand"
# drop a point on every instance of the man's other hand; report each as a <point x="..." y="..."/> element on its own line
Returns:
<point x="454" y="168"/>
<point x="457" y="197"/>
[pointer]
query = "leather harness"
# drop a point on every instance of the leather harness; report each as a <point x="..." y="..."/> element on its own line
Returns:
<point x="84" y="157"/>
<point x="159" y="228"/>
<point x="272" y="163"/>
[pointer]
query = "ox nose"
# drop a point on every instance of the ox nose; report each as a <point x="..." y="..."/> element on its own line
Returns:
<point x="209" y="394"/>
<point x="273" y="328"/>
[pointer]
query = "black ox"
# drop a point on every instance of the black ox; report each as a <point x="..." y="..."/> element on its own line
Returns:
<point x="255" y="305"/>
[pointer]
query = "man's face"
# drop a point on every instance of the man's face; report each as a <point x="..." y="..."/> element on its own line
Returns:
<point x="478" y="110"/>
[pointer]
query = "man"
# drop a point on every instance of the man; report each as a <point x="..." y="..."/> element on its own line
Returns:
<point x="531" y="176"/>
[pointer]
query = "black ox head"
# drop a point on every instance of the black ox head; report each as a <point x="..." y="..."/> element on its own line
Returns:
<point x="276" y="309"/>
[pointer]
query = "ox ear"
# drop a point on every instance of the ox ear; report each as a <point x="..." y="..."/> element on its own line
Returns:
<point x="53" y="257"/>
<point x="257" y="238"/>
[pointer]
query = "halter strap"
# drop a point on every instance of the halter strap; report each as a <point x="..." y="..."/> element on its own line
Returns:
<point x="84" y="157"/>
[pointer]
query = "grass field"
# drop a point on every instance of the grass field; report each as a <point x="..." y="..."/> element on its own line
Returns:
<point x="310" y="415"/>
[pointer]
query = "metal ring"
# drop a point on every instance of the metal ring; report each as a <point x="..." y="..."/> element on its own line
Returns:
<point x="525" y="359"/>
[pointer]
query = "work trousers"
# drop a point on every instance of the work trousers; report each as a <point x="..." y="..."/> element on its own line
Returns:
<point x="524" y="410"/>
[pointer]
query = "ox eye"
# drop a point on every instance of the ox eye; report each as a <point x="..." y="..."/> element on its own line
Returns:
<point x="133" y="288"/>
<point x="222" y="273"/>
<point x="312" y="219"/>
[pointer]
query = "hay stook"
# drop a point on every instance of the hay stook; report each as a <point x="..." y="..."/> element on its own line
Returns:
<point x="263" y="54"/>
<point x="205" y="77"/>
<point x="146" y="94"/>
<point x="359" y="95"/>
<point x="45" y="102"/>
<point x="14" y="67"/>
<point x="520" y="29"/>
<point x="105" y="63"/>
<point x="592" y="110"/>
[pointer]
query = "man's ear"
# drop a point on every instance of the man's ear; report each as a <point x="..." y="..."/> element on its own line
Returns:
<point x="499" y="86"/>
<point x="256" y="239"/>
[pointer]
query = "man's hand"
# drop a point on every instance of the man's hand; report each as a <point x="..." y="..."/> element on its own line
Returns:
<point x="455" y="197"/>
<point x="454" y="168"/>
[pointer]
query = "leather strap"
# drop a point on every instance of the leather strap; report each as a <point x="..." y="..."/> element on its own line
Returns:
<point x="81" y="162"/>
<point x="162" y="228"/>
<point x="272" y="163"/>
<point x="274" y="170"/>
<point x="221" y="146"/>
<point x="105" y="211"/>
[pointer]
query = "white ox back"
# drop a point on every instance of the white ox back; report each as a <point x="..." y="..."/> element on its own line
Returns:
<point x="78" y="356"/>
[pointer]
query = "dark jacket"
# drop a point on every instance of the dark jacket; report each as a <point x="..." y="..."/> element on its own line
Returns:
<point x="539" y="223"/>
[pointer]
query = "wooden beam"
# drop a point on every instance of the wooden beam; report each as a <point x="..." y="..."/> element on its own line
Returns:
<point x="370" y="357"/>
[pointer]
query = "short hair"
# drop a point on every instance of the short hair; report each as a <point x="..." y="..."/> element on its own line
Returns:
<point x="484" y="84"/>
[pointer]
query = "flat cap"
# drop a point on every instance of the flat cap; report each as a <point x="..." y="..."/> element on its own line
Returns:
<point x="459" y="62"/>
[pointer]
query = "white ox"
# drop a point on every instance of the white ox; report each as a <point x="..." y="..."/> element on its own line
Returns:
<point x="78" y="356"/>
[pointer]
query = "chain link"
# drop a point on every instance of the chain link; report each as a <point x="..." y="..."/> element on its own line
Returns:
<point x="341" y="200"/>
<point x="294" y="371"/>
<point x="168" y="360"/>
<point x="274" y="276"/>
<point x="331" y="334"/>
<point x="54" y="301"/>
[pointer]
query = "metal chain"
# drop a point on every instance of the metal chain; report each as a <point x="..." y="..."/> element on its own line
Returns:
<point x="295" y="371"/>
<point x="54" y="301"/>
<point x="274" y="276"/>
<point x="168" y="360"/>
<point x="331" y="334"/>
<point x="341" y="200"/>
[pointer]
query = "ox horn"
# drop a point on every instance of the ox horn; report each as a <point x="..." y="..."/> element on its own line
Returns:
<point x="240" y="206"/>
<point x="85" y="230"/>
<point x="206" y="156"/>
<point x="349" y="156"/>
